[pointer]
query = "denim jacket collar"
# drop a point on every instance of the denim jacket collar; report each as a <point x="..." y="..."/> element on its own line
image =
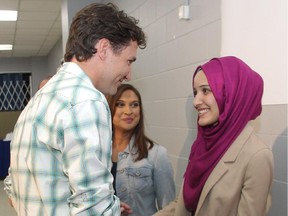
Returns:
<point x="131" y="148"/>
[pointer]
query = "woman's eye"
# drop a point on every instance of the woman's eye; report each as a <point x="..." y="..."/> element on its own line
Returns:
<point x="206" y="91"/>
<point x="119" y="104"/>
<point x="133" y="105"/>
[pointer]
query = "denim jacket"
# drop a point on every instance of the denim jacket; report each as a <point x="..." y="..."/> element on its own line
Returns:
<point x="147" y="183"/>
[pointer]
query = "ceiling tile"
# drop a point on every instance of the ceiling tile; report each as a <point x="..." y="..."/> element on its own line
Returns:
<point x="28" y="42"/>
<point x="9" y="24"/>
<point x="10" y="32"/>
<point x="25" y="32"/>
<point x="40" y="5"/>
<point x="25" y="53"/>
<point x="43" y="53"/>
<point x="21" y="47"/>
<point x="6" y="39"/>
<point x="9" y="5"/>
<point x="39" y="16"/>
<point x="37" y="30"/>
<point x="31" y="38"/>
<point x="34" y="24"/>
<point x="7" y="53"/>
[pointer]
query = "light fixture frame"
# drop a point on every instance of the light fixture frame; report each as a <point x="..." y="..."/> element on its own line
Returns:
<point x="8" y="15"/>
<point x="6" y="47"/>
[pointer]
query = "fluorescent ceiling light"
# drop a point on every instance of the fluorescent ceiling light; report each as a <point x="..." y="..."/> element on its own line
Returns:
<point x="8" y="15"/>
<point x="6" y="46"/>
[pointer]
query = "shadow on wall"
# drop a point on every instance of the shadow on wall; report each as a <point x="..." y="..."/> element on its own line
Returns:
<point x="279" y="186"/>
<point x="191" y="117"/>
<point x="271" y="126"/>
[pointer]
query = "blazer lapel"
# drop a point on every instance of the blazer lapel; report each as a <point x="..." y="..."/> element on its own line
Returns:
<point x="211" y="181"/>
<point x="221" y="168"/>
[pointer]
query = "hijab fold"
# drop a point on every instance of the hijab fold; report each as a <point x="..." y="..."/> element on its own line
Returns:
<point x="238" y="91"/>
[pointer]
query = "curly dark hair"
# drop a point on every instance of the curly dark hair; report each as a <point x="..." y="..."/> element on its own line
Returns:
<point x="141" y="140"/>
<point x="97" y="21"/>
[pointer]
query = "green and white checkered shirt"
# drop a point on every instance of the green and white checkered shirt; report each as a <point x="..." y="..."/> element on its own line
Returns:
<point x="61" y="150"/>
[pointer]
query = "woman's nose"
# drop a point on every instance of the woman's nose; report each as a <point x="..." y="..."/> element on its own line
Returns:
<point x="127" y="110"/>
<point x="197" y="100"/>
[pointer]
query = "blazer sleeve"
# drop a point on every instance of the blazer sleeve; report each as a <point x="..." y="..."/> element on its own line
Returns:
<point x="175" y="208"/>
<point x="168" y="210"/>
<point x="257" y="184"/>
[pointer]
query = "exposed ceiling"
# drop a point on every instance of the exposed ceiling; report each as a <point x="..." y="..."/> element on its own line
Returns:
<point x="37" y="29"/>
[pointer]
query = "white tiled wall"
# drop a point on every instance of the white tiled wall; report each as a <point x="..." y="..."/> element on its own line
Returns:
<point x="163" y="70"/>
<point x="163" y="74"/>
<point x="271" y="126"/>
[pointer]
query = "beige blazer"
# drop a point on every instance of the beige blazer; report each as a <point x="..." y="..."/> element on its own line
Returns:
<point x="238" y="186"/>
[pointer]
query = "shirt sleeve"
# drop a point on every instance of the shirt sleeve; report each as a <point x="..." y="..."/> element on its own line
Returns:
<point x="164" y="185"/>
<point x="87" y="159"/>
<point x="255" y="196"/>
<point x="8" y="185"/>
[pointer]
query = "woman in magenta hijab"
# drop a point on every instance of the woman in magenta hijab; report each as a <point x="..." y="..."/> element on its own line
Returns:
<point x="230" y="169"/>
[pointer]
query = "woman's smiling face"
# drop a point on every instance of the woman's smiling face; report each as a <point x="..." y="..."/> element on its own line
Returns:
<point x="204" y="101"/>
<point x="127" y="112"/>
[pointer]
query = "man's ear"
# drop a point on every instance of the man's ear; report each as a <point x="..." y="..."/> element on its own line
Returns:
<point x="102" y="47"/>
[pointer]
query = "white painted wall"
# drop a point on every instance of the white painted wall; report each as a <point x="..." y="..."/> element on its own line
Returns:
<point x="68" y="11"/>
<point x="256" y="31"/>
<point x="163" y="71"/>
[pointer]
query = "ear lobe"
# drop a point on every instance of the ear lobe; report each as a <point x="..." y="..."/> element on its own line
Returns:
<point x="102" y="47"/>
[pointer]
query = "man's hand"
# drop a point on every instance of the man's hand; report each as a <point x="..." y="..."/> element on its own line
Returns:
<point x="125" y="209"/>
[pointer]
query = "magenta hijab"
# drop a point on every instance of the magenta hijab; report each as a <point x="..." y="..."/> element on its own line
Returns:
<point x="238" y="91"/>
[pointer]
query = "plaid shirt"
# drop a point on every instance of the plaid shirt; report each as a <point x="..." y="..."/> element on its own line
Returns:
<point x="61" y="150"/>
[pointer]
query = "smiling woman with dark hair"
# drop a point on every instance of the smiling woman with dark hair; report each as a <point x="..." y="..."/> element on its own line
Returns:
<point x="143" y="174"/>
<point x="230" y="169"/>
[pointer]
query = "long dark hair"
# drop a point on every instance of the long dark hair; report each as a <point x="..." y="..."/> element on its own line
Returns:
<point x="97" y="21"/>
<point x="141" y="139"/>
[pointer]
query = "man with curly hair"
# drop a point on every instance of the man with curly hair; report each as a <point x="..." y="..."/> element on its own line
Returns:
<point x="61" y="147"/>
